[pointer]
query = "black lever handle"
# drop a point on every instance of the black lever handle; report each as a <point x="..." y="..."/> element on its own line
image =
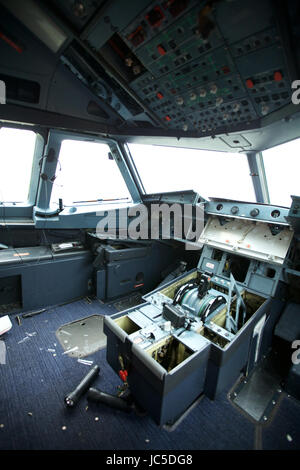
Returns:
<point x="73" y="397"/>
<point x="98" y="396"/>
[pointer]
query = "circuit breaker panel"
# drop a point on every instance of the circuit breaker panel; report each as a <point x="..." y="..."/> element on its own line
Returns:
<point x="197" y="333"/>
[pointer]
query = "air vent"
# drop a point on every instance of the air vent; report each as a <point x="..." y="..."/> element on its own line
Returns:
<point x="18" y="89"/>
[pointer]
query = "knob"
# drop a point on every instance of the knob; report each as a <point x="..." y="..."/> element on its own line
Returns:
<point x="254" y="212"/>
<point x="234" y="210"/>
<point x="264" y="109"/>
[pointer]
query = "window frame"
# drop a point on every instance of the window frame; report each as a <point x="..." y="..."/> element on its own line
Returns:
<point x="254" y="160"/>
<point x="264" y="169"/>
<point x="21" y="212"/>
<point x="49" y="167"/>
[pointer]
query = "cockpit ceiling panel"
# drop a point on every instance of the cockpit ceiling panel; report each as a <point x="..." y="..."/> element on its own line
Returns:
<point x="76" y="12"/>
<point x="197" y="74"/>
<point x="182" y="67"/>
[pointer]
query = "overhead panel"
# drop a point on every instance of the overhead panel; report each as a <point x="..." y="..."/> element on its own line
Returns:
<point x="197" y="65"/>
<point x="191" y="67"/>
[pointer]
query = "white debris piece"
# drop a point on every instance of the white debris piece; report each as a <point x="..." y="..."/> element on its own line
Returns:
<point x="70" y="350"/>
<point x="24" y="339"/>
<point x="289" y="437"/>
<point x="65" y="332"/>
<point x="31" y="334"/>
<point x="5" y="324"/>
<point x="51" y="350"/>
<point x="83" y="361"/>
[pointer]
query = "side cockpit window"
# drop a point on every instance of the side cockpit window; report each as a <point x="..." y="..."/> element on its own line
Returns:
<point x="282" y="167"/>
<point x="17" y="149"/>
<point x="87" y="173"/>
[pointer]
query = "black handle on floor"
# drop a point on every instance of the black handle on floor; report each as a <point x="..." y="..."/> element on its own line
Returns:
<point x="98" y="396"/>
<point x="72" y="398"/>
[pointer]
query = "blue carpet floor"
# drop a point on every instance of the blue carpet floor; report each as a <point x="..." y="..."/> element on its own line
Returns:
<point x="33" y="416"/>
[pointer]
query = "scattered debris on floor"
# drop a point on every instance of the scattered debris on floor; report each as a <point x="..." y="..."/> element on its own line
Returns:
<point x="83" y="361"/>
<point x="24" y="339"/>
<point x="31" y="314"/>
<point x="28" y="336"/>
<point x="70" y="350"/>
<point x="65" y="332"/>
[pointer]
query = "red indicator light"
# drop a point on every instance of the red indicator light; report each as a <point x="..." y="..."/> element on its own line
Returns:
<point x="161" y="49"/>
<point x="167" y="118"/>
<point x="155" y="17"/>
<point x="226" y="69"/>
<point x="277" y="76"/>
<point x="159" y="95"/>
<point x="249" y="83"/>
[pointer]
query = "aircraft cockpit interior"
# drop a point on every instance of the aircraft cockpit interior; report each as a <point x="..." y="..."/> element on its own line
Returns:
<point x="149" y="227"/>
